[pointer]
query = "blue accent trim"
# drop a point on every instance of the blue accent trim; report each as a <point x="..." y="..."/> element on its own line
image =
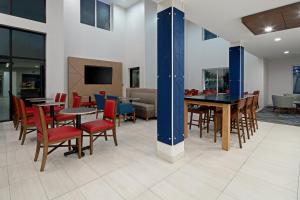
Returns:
<point x="164" y="71"/>
<point x="236" y="71"/>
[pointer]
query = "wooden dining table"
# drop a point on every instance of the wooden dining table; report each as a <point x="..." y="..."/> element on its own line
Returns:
<point x="223" y="101"/>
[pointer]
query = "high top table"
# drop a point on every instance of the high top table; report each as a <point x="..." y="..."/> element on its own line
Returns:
<point x="223" y="101"/>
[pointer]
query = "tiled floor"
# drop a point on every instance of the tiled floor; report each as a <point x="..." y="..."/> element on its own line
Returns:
<point x="266" y="168"/>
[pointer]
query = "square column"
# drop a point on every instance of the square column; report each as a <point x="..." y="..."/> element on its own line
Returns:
<point x="236" y="71"/>
<point x="170" y="84"/>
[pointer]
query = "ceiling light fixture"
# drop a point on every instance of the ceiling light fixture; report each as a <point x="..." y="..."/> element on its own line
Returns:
<point x="268" y="29"/>
<point x="7" y="65"/>
<point x="277" y="39"/>
<point x="286" y="52"/>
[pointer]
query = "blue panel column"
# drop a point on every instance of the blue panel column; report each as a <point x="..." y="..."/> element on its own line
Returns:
<point x="170" y="84"/>
<point x="236" y="71"/>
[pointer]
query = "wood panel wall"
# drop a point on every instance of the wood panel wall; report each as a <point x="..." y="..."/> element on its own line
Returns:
<point x="76" y="78"/>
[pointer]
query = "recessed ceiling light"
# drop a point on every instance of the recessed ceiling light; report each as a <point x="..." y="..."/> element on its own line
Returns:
<point x="277" y="39"/>
<point x="286" y="52"/>
<point x="268" y="29"/>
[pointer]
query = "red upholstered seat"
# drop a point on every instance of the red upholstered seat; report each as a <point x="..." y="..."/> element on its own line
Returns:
<point x="61" y="133"/>
<point x="97" y="126"/>
<point x="62" y="117"/>
<point x="29" y="110"/>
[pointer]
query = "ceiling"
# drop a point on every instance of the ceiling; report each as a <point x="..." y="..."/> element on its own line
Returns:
<point x="124" y="3"/>
<point x="224" y="19"/>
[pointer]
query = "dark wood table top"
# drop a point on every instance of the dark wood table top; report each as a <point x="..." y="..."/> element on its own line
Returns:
<point x="219" y="98"/>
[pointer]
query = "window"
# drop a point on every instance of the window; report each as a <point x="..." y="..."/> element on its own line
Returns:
<point x="103" y="15"/>
<point x="134" y="77"/>
<point x="99" y="17"/>
<point x="87" y="12"/>
<point x="207" y="35"/>
<point x="4" y="42"/>
<point x="216" y="79"/>
<point x="296" y="79"/>
<point x="29" y="9"/>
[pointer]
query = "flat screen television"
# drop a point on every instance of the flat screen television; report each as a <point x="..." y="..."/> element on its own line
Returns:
<point x="97" y="75"/>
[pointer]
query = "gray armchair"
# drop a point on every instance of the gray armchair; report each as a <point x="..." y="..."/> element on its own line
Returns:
<point x="283" y="102"/>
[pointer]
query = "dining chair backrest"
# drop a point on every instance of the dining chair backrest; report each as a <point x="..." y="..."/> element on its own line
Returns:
<point x="22" y="111"/>
<point x="249" y="102"/>
<point x="241" y="104"/>
<point x="100" y="100"/>
<point x="76" y="102"/>
<point x="75" y="94"/>
<point x="255" y="102"/>
<point x="57" y="97"/>
<point x="40" y="122"/>
<point x="110" y="110"/>
<point x="246" y="93"/>
<point x="102" y="92"/>
<point x="63" y="97"/>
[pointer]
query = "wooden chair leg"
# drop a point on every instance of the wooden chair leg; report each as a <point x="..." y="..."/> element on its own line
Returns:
<point x="17" y="125"/>
<point x="200" y="124"/>
<point x="45" y="155"/>
<point x="69" y="145"/>
<point x="97" y="114"/>
<point x="191" y="120"/>
<point x="105" y="135"/>
<point x="78" y="141"/>
<point x="24" y="135"/>
<point x="255" y="120"/>
<point x="21" y="133"/>
<point x="134" y="118"/>
<point x="208" y="120"/>
<point x="239" y="133"/>
<point x="247" y="127"/>
<point x="243" y="131"/>
<point x="215" y="128"/>
<point x="37" y="150"/>
<point x="115" y="136"/>
<point x="91" y="144"/>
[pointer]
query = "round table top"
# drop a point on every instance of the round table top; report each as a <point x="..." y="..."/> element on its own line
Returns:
<point x="51" y="104"/>
<point x="39" y="99"/>
<point x="78" y="111"/>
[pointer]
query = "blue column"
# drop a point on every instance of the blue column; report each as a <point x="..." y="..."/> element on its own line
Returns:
<point x="236" y="71"/>
<point x="170" y="84"/>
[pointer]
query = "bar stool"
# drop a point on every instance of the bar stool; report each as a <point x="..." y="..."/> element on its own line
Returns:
<point x="254" y="108"/>
<point x="237" y="120"/>
<point x="200" y="110"/>
<point x="247" y="116"/>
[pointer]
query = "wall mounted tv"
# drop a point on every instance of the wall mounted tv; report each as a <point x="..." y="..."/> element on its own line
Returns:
<point x="97" y="75"/>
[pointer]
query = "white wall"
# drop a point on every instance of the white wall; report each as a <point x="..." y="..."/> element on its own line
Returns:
<point x="280" y="76"/>
<point x="151" y="44"/>
<point x="134" y="51"/>
<point x="201" y="55"/>
<point x="254" y="76"/>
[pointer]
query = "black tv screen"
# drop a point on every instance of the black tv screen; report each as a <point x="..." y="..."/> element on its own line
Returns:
<point x="97" y="75"/>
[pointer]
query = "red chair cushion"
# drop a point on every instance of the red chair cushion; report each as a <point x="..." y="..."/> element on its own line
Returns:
<point x="85" y="104"/>
<point x="62" y="117"/>
<point x="61" y="133"/>
<point x="97" y="126"/>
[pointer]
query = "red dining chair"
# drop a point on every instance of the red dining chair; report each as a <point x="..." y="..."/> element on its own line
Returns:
<point x="102" y="92"/>
<point x="99" y="128"/>
<point x="82" y="103"/>
<point x="62" y="99"/>
<point x="27" y="123"/>
<point x="53" y="137"/>
<point x="76" y="102"/>
<point x="62" y="119"/>
<point x="57" y="97"/>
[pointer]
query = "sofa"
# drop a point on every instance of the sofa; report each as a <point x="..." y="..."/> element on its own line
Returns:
<point x="285" y="102"/>
<point x="145" y="103"/>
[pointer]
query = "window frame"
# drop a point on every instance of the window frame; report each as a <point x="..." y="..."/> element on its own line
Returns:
<point x="11" y="14"/>
<point x="217" y="78"/>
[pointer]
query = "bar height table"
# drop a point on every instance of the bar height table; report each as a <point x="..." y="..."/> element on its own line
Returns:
<point x="220" y="101"/>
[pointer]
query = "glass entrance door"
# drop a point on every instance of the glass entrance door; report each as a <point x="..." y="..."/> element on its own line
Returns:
<point x="4" y="89"/>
